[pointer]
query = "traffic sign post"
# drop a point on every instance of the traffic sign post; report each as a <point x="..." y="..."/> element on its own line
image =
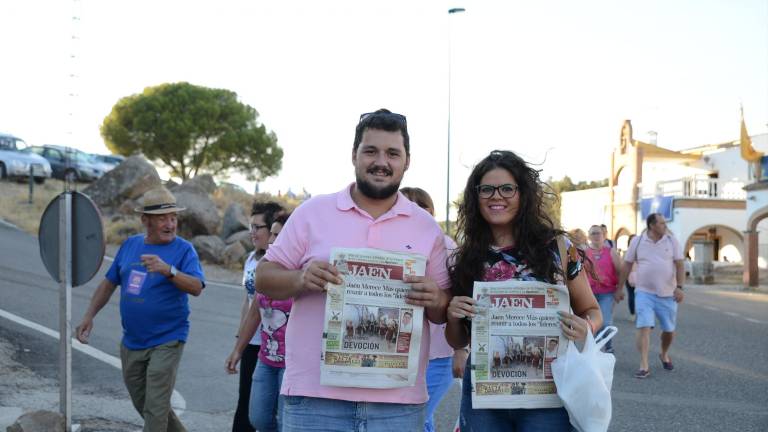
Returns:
<point x="65" y="309"/>
<point x="71" y="238"/>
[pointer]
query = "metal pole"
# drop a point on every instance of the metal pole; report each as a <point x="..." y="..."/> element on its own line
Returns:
<point x="31" y="183"/>
<point x="448" y="152"/>
<point x="65" y="308"/>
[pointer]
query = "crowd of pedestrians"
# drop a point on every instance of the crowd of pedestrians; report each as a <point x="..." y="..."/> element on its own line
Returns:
<point x="505" y="234"/>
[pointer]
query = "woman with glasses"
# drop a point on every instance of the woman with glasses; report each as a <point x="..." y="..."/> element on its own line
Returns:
<point x="507" y="235"/>
<point x="606" y="264"/>
<point x="262" y="216"/>
<point x="271" y="318"/>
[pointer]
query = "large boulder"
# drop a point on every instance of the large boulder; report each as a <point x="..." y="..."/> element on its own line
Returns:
<point x="209" y="248"/>
<point x="234" y="220"/>
<point x="201" y="216"/>
<point x="38" y="421"/>
<point x="243" y="237"/>
<point x="128" y="181"/>
<point x="203" y="182"/>
<point x="234" y="253"/>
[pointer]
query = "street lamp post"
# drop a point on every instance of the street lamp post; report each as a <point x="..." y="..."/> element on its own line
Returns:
<point x="451" y="11"/>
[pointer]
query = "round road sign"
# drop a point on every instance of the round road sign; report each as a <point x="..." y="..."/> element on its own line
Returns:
<point x="87" y="238"/>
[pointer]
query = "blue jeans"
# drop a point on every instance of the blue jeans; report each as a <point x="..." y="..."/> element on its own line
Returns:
<point x="266" y="404"/>
<point x="504" y="420"/>
<point x="606" y="308"/>
<point x="302" y="413"/>
<point x="439" y="380"/>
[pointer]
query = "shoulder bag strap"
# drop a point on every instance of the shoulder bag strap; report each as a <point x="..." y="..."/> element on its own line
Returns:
<point x="563" y="257"/>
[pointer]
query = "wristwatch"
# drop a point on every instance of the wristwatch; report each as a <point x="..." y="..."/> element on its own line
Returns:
<point x="172" y="272"/>
<point x="680" y="287"/>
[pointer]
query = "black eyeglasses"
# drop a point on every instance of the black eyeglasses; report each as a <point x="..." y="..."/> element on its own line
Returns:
<point x="505" y="191"/>
<point x="255" y="227"/>
<point x="396" y="116"/>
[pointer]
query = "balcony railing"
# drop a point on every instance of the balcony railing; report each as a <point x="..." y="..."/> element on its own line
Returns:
<point x="692" y="187"/>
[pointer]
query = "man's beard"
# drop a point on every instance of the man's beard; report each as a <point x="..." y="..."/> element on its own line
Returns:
<point x="371" y="191"/>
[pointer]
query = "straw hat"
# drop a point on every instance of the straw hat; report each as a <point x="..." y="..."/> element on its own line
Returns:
<point x="159" y="201"/>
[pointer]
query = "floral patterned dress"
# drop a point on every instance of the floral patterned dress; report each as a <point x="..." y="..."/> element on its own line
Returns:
<point x="507" y="263"/>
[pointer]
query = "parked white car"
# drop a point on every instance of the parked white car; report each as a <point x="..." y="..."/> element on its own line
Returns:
<point x="16" y="163"/>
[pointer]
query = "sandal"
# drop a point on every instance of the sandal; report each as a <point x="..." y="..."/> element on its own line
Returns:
<point x="642" y="373"/>
<point x="667" y="365"/>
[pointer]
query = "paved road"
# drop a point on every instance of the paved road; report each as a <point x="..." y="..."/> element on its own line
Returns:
<point x="720" y="381"/>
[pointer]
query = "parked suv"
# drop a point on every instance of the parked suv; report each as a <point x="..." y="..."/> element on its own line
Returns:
<point x="15" y="161"/>
<point x="68" y="162"/>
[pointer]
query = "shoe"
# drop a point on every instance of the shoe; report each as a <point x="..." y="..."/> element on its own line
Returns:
<point x="667" y="365"/>
<point x="642" y="373"/>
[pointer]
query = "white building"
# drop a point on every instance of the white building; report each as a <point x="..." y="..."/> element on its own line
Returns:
<point x="703" y="191"/>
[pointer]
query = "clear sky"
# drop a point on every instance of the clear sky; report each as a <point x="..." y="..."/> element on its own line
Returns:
<point x="552" y="80"/>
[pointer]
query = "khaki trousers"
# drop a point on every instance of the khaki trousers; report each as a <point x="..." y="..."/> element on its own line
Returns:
<point x="150" y="375"/>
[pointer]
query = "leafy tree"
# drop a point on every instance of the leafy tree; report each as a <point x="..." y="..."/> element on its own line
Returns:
<point x="193" y="130"/>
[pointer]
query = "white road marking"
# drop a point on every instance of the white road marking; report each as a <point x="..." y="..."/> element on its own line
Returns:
<point x="9" y="225"/>
<point x="733" y="314"/>
<point x="225" y="285"/>
<point x="178" y="402"/>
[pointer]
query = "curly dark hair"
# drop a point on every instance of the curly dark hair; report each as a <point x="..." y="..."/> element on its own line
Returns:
<point x="532" y="228"/>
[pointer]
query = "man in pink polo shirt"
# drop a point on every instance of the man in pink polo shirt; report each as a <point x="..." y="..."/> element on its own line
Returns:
<point x="368" y="213"/>
<point x="658" y="288"/>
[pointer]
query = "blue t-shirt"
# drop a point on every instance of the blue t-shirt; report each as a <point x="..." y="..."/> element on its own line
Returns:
<point x="152" y="309"/>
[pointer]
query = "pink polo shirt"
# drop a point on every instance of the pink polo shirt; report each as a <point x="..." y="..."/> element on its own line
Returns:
<point x="438" y="346"/>
<point x="656" y="272"/>
<point x="329" y="221"/>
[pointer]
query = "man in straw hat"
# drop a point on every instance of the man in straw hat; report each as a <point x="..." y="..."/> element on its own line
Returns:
<point x="156" y="271"/>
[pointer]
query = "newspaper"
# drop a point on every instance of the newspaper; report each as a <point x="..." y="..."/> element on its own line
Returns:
<point x="371" y="337"/>
<point x="515" y="337"/>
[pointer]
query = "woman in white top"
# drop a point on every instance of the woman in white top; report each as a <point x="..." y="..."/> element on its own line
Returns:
<point x="262" y="216"/>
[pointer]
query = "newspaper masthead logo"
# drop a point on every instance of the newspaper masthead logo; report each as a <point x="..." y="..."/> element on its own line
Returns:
<point x="517" y="301"/>
<point x="382" y="271"/>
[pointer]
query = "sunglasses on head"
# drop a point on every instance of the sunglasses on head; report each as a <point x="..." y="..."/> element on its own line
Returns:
<point x="399" y="117"/>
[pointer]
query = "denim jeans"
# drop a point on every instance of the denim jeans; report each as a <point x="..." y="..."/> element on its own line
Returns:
<point x="439" y="380"/>
<point x="265" y="406"/>
<point x="606" y="308"/>
<point x="302" y="413"/>
<point x="504" y="420"/>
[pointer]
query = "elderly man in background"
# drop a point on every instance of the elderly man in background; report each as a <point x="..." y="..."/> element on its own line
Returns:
<point x="156" y="271"/>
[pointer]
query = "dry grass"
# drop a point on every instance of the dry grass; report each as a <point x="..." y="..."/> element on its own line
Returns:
<point x="15" y="207"/>
<point x="224" y="196"/>
<point x="116" y="232"/>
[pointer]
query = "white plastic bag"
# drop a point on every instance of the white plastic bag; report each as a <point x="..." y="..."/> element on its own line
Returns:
<point x="584" y="380"/>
